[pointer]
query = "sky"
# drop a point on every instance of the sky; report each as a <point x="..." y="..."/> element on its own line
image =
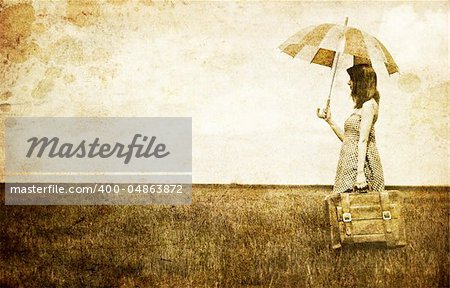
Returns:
<point x="253" y="108"/>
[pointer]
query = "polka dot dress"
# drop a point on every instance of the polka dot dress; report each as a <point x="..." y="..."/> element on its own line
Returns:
<point x="348" y="160"/>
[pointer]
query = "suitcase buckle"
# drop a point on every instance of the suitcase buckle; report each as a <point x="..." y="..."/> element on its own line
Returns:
<point x="387" y="215"/>
<point x="347" y="217"/>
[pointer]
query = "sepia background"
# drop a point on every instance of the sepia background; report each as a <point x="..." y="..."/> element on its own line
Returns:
<point x="254" y="120"/>
<point x="253" y="107"/>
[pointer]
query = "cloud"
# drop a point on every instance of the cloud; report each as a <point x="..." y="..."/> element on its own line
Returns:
<point x="417" y="39"/>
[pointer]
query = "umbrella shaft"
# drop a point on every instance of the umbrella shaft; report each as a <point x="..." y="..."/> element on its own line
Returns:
<point x="335" y="64"/>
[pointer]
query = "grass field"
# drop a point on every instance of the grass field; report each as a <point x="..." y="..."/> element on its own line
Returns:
<point x="230" y="236"/>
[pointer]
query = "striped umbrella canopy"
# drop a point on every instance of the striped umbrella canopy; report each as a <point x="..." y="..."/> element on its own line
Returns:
<point x="319" y="44"/>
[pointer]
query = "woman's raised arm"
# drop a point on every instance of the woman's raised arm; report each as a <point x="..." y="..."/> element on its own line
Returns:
<point x="326" y="115"/>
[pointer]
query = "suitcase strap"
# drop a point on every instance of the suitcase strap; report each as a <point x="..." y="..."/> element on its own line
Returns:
<point x="331" y="208"/>
<point x="347" y="217"/>
<point x="387" y="218"/>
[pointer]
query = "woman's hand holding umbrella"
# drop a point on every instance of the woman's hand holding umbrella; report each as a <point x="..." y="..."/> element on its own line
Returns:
<point x="325" y="114"/>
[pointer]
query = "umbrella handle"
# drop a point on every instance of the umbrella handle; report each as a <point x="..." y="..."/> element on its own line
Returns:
<point x="325" y="110"/>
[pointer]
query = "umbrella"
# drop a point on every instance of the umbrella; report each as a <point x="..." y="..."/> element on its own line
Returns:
<point x="323" y="44"/>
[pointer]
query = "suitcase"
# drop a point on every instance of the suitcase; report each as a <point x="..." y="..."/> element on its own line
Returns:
<point x="373" y="217"/>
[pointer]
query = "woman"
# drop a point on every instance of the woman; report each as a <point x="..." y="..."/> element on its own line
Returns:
<point x="359" y="165"/>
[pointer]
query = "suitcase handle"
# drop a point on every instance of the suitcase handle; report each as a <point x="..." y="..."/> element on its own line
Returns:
<point x="362" y="190"/>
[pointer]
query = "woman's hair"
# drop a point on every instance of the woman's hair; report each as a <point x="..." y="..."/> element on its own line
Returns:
<point x="364" y="81"/>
